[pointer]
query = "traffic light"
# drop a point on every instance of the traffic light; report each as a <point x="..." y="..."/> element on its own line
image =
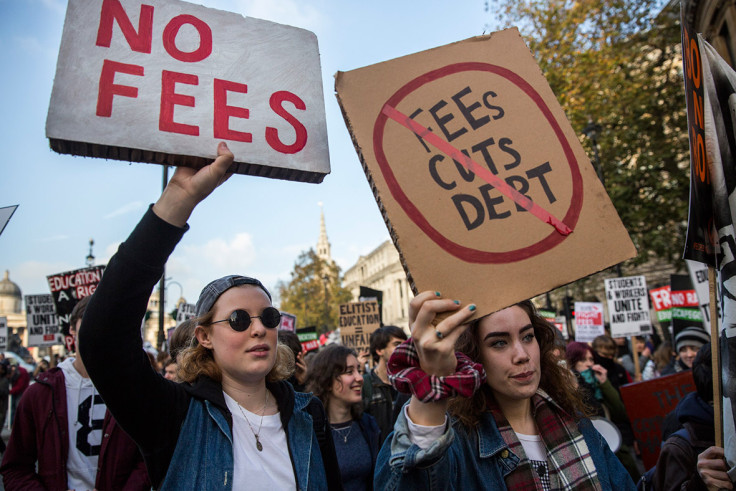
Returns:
<point x="568" y="307"/>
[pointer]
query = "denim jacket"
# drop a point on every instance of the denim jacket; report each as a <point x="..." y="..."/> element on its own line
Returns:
<point x="207" y="428"/>
<point x="474" y="459"/>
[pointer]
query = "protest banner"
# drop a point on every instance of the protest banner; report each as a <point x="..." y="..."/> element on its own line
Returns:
<point x="478" y="174"/>
<point x="162" y="82"/>
<point x="69" y="288"/>
<point x="662" y="304"/>
<point x="710" y="86"/>
<point x="5" y="214"/>
<point x="588" y="321"/>
<point x="185" y="311"/>
<point x="288" y="322"/>
<point x="3" y="333"/>
<point x="647" y="404"/>
<point x="308" y="337"/>
<point x="357" y="321"/>
<point x="41" y="321"/>
<point x="628" y="306"/>
<point x="685" y="305"/>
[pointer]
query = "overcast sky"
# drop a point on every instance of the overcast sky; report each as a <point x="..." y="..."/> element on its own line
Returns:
<point x="251" y="225"/>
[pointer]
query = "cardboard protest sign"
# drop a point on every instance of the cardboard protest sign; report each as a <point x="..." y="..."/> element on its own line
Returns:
<point x="185" y="311"/>
<point x="647" y="404"/>
<point x="588" y="321"/>
<point x="357" y="321"/>
<point x="628" y="306"/>
<point x="5" y="214"/>
<point x="288" y="322"/>
<point x="685" y="305"/>
<point x="308" y="338"/>
<point x="662" y="303"/>
<point x="710" y="87"/>
<point x="478" y="174"/>
<point x="41" y="321"/>
<point x="3" y="333"/>
<point x="69" y="288"/>
<point x="164" y="81"/>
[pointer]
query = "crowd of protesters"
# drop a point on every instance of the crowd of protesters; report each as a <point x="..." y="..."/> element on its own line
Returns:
<point x="495" y="402"/>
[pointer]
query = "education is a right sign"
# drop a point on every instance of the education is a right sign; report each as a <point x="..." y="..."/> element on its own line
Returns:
<point x="478" y="174"/>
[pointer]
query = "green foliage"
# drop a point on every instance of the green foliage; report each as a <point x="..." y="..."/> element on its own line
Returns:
<point x="617" y="63"/>
<point x="314" y="293"/>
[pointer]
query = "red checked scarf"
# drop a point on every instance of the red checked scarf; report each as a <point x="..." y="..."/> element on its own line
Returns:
<point x="406" y="376"/>
<point x="568" y="457"/>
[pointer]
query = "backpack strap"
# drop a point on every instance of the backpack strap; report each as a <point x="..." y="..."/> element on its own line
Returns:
<point x="326" y="445"/>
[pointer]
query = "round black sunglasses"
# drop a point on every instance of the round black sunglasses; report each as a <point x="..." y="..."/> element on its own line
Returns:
<point x="240" y="319"/>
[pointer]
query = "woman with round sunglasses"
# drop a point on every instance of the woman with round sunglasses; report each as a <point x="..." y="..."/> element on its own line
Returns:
<point x="235" y="423"/>
<point x="515" y="419"/>
<point x="334" y="376"/>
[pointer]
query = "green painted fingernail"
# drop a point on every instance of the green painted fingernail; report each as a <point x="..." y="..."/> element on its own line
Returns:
<point x="457" y="302"/>
<point x="437" y="294"/>
<point x="471" y="308"/>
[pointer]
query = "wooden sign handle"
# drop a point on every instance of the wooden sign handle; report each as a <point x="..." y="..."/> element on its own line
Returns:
<point x="715" y="359"/>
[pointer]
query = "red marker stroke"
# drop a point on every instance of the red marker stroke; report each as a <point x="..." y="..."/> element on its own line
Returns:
<point x="485" y="174"/>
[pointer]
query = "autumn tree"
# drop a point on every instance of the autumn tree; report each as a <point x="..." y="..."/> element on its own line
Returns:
<point x="615" y="68"/>
<point x="314" y="292"/>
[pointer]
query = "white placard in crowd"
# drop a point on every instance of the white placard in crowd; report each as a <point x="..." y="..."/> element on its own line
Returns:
<point x="628" y="306"/>
<point x="699" y="277"/>
<point x="588" y="321"/>
<point x="43" y="325"/>
<point x="185" y="311"/>
<point x="3" y="333"/>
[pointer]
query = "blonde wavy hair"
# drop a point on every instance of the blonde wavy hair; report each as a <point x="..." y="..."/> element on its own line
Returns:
<point x="195" y="360"/>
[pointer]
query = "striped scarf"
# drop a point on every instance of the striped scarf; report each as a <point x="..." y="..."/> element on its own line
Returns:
<point x="570" y="463"/>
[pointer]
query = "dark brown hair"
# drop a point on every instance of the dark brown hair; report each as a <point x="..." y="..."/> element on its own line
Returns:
<point x="555" y="379"/>
<point x="326" y="366"/>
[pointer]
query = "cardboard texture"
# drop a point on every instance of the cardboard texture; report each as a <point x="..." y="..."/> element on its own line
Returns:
<point x="357" y="322"/>
<point x="484" y="98"/>
<point x="163" y="82"/>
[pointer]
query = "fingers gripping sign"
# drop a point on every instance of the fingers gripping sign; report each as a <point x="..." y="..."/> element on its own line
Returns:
<point x="436" y="344"/>
<point x="188" y="187"/>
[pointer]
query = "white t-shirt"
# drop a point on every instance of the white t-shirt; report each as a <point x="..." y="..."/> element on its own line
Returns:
<point x="85" y="416"/>
<point x="254" y="469"/>
<point x="533" y="446"/>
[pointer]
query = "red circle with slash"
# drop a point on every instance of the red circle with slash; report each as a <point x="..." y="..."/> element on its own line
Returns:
<point x="462" y="252"/>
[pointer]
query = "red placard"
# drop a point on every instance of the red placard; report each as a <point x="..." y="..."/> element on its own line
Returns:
<point x="647" y="404"/>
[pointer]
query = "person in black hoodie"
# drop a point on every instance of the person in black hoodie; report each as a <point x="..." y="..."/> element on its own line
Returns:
<point x="676" y="466"/>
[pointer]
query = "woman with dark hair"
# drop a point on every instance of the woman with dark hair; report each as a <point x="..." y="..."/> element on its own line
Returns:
<point x="515" y="416"/>
<point x="335" y="378"/>
<point x="234" y="423"/>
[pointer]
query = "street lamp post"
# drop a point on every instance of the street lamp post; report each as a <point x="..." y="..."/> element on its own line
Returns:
<point x="325" y="281"/>
<point x="591" y="131"/>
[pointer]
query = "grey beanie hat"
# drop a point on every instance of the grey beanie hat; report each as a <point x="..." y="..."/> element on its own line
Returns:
<point x="214" y="289"/>
<point x="691" y="336"/>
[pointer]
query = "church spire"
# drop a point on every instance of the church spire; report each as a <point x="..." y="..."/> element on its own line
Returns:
<point x="323" y="245"/>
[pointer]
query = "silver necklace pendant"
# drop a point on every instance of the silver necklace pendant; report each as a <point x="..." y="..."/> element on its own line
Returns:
<point x="258" y="444"/>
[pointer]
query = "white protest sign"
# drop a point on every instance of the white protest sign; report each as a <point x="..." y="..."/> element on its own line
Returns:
<point x="628" y="306"/>
<point x="588" y="321"/>
<point x="699" y="277"/>
<point x="3" y="333"/>
<point x="43" y="325"/>
<point x="164" y="81"/>
<point x="5" y="214"/>
<point x="288" y="322"/>
<point x="185" y="311"/>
